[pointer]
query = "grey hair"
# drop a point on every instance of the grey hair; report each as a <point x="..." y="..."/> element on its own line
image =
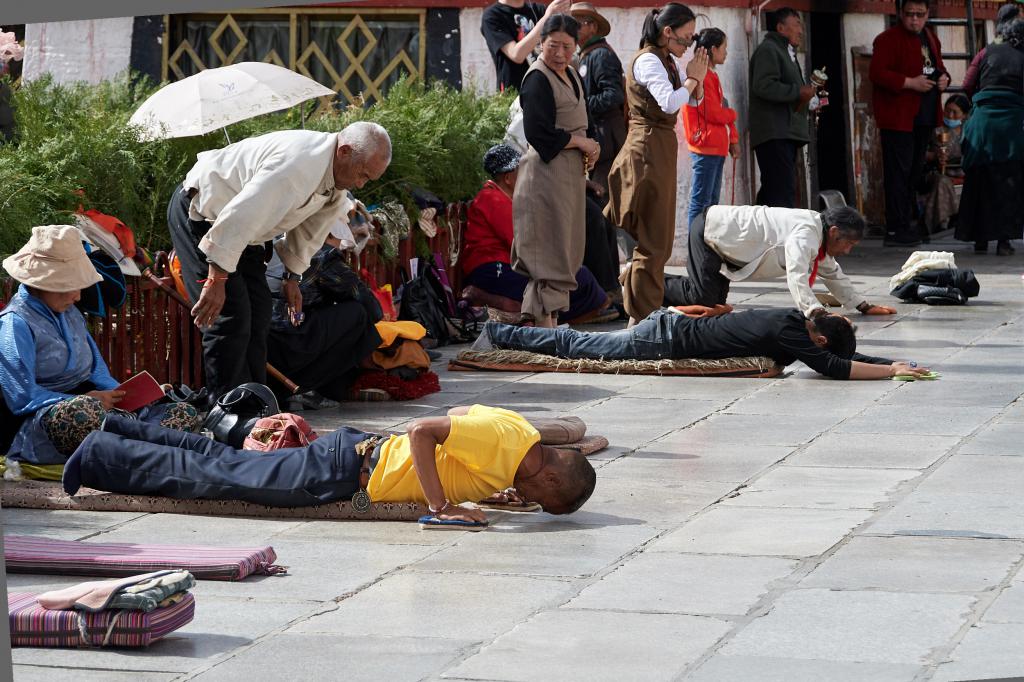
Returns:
<point x="366" y="139"/>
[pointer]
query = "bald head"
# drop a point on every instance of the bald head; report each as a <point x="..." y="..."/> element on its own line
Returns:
<point x="364" y="152"/>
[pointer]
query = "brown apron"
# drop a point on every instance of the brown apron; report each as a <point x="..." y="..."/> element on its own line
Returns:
<point x="549" y="209"/>
<point x="642" y="192"/>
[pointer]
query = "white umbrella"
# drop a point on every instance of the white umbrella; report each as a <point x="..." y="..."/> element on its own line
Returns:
<point x="215" y="98"/>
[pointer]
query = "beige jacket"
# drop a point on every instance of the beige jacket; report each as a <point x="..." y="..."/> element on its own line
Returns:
<point x="760" y="243"/>
<point x="265" y="186"/>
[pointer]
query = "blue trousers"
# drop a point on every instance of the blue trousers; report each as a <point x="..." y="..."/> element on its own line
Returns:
<point x="650" y="339"/>
<point x="706" y="183"/>
<point x="142" y="459"/>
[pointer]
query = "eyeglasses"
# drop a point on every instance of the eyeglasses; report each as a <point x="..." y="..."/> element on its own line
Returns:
<point x="916" y="15"/>
<point x="587" y="22"/>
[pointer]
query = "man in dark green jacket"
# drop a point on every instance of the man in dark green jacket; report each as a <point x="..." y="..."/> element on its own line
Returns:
<point x="778" y="108"/>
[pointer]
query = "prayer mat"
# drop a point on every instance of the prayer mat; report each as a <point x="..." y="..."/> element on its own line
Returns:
<point x="32" y="625"/>
<point x="50" y="495"/>
<point x="29" y="554"/>
<point x="525" y="361"/>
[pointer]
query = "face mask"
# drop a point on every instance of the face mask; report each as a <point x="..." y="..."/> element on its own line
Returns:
<point x="950" y="123"/>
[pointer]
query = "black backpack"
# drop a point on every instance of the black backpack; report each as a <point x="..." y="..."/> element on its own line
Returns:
<point x="424" y="301"/>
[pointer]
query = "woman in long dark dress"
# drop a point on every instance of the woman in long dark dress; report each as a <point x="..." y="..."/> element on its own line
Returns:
<point x="992" y="205"/>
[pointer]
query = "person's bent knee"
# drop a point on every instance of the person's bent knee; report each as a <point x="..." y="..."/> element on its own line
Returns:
<point x="68" y="422"/>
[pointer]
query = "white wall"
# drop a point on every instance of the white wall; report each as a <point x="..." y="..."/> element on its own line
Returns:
<point x="478" y="72"/>
<point x="91" y="51"/>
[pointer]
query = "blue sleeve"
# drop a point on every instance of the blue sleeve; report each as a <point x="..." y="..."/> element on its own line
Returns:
<point x="100" y="376"/>
<point x="18" y="369"/>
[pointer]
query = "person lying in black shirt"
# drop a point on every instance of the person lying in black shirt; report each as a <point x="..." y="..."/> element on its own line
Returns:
<point x="826" y="344"/>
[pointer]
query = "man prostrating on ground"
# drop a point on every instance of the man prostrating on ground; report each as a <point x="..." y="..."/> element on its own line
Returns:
<point x="466" y="456"/>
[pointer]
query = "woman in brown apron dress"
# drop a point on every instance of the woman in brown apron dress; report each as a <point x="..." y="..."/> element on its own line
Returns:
<point x="548" y="208"/>
<point x="642" y="181"/>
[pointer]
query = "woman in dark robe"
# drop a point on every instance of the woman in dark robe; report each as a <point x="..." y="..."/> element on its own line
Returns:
<point x="992" y="204"/>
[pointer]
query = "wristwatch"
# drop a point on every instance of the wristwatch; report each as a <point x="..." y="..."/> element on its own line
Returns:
<point x="292" y="276"/>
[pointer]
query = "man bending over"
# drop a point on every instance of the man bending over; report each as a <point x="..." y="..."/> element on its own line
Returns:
<point x="468" y="455"/>
<point x="826" y="343"/>
<point x="757" y="243"/>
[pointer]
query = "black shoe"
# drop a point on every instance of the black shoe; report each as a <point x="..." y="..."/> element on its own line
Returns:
<point x="310" y="400"/>
<point x="1004" y="249"/>
<point x="897" y="240"/>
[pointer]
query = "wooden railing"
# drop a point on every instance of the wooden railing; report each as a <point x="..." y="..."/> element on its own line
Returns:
<point x="153" y="332"/>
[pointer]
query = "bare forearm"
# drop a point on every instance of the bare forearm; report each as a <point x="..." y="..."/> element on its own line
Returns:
<point x="423" y="444"/>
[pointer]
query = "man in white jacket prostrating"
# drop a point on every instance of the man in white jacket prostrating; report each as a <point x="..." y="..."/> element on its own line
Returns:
<point x="737" y="243"/>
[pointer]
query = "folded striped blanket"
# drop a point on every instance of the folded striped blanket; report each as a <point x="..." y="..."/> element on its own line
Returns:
<point x="32" y="625"/>
<point x="29" y="554"/>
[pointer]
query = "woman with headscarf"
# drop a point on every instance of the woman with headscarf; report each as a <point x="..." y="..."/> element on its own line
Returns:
<point x="642" y="182"/>
<point x="548" y="208"/>
<point x="56" y="387"/>
<point x="992" y="204"/>
<point x="487" y="242"/>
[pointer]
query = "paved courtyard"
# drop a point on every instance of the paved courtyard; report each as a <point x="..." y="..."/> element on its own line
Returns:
<point x="742" y="529"/>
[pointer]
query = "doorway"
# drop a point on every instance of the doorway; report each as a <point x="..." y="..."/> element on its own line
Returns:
<point x="830" y="154"/>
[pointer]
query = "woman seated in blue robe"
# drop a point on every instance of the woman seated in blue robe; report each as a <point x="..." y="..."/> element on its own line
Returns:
<point x="56" y="387"/>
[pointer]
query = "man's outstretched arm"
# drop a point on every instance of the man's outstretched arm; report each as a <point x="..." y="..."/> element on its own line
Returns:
<point x="424" y="437"/>
<point x="863" y="370"/>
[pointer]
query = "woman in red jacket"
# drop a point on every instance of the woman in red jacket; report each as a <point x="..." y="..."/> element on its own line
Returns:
<point x="710" y="127"/>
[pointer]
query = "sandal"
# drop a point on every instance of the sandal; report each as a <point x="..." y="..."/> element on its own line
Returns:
<point x="508" y="500"/>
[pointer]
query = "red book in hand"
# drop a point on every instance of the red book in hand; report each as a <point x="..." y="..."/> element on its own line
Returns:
<point x="141" y="390"/>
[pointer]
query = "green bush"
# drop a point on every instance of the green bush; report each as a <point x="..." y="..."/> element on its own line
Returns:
<point x="75" y="138"/>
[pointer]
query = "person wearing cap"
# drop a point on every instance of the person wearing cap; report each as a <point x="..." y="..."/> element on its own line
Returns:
<point x="230" y="206"/>
<point x="605" y="85"/>
<point x="56" y="387"/>
<point x="487" y="244"/>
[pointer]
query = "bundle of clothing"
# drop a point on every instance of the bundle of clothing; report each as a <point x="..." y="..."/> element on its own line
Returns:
<point x="932" y="277"/>
<point x="131" y="611"/>
<point x="400" y="365"/>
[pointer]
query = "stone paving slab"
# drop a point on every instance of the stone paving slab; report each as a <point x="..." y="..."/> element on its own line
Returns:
<point x="553" y="645"/>
<point x="33" y="673"/>
<point x="989" y="650"/>
<point x="755" y="531"/>
<point x="992" y="515"/>
<point x="1003" y="438"/>
<point x="413" y="604"/>
<point x="821" y="488"/>
<point x="1009" y="605"/>
<point x="924" y="419"/>
<point x="770" y="669"/>
<point x="861" y="626"/>
<point x="541" y="549"/>
<point x="314" y="658"/>
<point x="683" y="458"/>
<point x="917" y="564"/>
<point x="682" y="583"/>
<point x="896" y="451"/>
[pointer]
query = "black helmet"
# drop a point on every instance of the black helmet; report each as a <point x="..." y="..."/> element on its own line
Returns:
<point x="236" y="412"/>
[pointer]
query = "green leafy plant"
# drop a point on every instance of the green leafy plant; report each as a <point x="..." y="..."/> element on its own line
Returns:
<point x="74" y="147"/>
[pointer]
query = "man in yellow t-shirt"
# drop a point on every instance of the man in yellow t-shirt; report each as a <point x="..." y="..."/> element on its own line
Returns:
<point x="466" y="456"/>
<point x="473" y="453"/>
